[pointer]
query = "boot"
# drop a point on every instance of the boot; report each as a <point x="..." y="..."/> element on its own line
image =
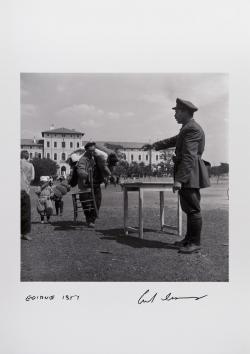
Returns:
<point x="195" y="229"/>
<point x="186" y="239"/>
<point x="190" y="248"/>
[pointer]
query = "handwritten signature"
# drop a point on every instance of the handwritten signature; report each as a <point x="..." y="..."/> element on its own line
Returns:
<point x="147" y="298"/>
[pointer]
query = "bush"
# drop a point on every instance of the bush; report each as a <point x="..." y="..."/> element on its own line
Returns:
<point x="44" y="167"/>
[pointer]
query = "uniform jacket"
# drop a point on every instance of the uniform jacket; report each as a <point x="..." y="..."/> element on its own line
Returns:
<point x="189" y="168"/>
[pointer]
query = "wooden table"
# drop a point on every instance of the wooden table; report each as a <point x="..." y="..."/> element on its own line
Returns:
<point x="141" y="187"/>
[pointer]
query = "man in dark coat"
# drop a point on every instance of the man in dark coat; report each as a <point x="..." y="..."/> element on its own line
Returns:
<point x="89" y="168"/>
<point x="190" y="171"/>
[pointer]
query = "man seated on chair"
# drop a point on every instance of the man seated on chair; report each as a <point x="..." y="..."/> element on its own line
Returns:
<point x="87" y="170"/>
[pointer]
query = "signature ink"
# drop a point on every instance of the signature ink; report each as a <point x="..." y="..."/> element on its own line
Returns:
<point x="143" y="298"/>
<point x="169" y="297"/>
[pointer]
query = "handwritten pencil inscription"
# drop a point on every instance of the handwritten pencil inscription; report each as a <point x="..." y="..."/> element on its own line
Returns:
<point x="149" y="298"/>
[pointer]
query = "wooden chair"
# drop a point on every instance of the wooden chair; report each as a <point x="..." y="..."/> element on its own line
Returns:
<point x="83" y="205"/>
<point x="89" y="202"/>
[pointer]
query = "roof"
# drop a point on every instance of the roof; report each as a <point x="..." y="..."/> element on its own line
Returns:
<point x="62" y="131"/>
<point x="31" y="142"/>
<point x="125" y="145"/>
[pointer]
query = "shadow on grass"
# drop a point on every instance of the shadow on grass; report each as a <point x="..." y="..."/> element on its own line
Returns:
<point x="133" y="241"/>
<point x="67" y="225"/>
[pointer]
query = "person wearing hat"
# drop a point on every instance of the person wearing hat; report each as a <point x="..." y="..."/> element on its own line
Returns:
<point x="190" y="171"/>
<point x="45" y="194"/>
<point x="90" y="167"/>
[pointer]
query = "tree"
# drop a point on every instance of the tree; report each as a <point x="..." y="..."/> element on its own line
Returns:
<point x="44" y="167"/>
<point x="218" y="171"/>
<point x="113" y="147"/>
<point x="167" y="164"/>
<point x="121" y="169"/>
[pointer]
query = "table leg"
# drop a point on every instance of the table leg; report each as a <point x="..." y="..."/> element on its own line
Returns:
<point x="179" y="216"/>
<point x="140" y="213"/>
<point x="125" y="210"/>
<point x="162" y="209"/>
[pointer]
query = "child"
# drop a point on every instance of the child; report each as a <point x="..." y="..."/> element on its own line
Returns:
<point x="44" y="204"/>
<point x="59" y="191"/>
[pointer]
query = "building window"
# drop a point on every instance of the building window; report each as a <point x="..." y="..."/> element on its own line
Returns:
<point x="71" y="144"/>
<point x="77" y="145"/>
<point x="156" y="157"/>
<point x="146" y="157"/>
<point x="48" y="155"/>
<point x="55" y="144"/>
<point x="63" y="144"/>
<point x="139" y="157"/>
<point x="55" y="156"/>
<point x="47" y="144"/>
<point x="132" y="157"/>
<point x="39" y="155"/>
<point x="63" y="156"/>
<point x="30" y="155"/>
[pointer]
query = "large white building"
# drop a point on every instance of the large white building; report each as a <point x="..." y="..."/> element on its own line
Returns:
<point x="133" y="153"/>
<point x="59" y="144"/>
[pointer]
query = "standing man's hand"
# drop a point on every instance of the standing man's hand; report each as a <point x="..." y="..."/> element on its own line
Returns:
<point x="147" y="147"/>
<point x="176" y="186"/>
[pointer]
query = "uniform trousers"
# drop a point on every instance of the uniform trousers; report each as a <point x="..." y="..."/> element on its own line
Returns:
<point x="190" y="204"/>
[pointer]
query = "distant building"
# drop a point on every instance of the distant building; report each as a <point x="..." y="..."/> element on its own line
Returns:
<point x="33" y="146"/>
<point x="59" y="144"/>
<point x="133" y="153"/>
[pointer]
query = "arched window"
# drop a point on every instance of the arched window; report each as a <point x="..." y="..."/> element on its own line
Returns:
<point x="139" y="157"/>
<point x="55" y="156"/>
<point x="63" y="144"/>
<point x="47" y="144"/>
<point x="48" y="155"/>
<point x="146" y="157"/>
<point x="71" y="144"/>
<point x="156" y="157"/>
<point x="63" y="156"/>
<point x="55" y="144"/>
<point x="77" y="144"/>
<point x="132" y="157"/>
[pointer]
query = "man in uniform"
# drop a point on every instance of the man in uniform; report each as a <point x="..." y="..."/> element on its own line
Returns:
<point x="190" y="171"/>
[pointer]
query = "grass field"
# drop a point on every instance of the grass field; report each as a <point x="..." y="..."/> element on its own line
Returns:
<point x="68" y="251"/>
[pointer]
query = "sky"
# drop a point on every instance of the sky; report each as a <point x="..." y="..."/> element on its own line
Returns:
<point x="126" y="107"/>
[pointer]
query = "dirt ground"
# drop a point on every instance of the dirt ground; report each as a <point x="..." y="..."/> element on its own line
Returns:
<point x="68" y="251"/>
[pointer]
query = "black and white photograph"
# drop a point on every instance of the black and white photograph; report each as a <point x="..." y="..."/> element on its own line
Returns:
<point x="124" y="177"/>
